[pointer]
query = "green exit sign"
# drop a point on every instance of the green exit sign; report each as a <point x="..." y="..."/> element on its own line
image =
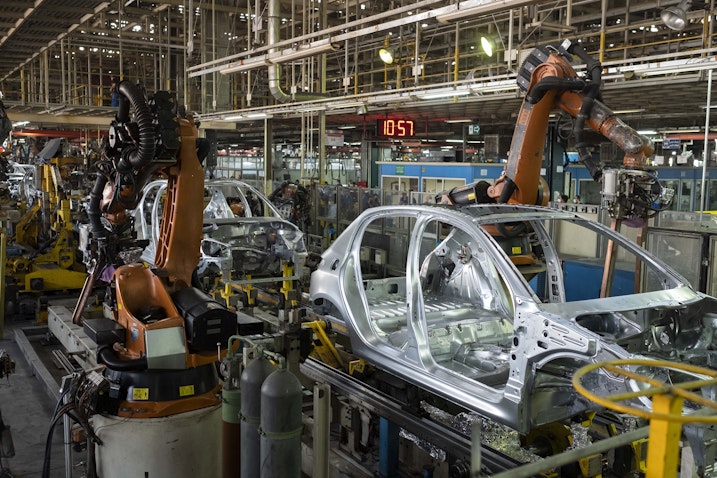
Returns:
<point x="473" y="129"/>
<point x="400" y="169"/>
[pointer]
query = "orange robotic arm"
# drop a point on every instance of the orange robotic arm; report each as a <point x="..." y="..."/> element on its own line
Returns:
<point x="156" y="140"/>
<point x="551" y="83"/>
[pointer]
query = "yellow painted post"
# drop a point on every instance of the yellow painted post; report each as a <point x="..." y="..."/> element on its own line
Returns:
<point x="664" y="441"/>
<point x="3" y="243"/>
<point x="226" y="294"/>
<point x="288" y="285"/>
<point x="248" y="290"/>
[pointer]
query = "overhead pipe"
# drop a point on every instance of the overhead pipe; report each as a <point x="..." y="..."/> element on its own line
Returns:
<point x="274" y="71"/>
<point x="311" y="37"/>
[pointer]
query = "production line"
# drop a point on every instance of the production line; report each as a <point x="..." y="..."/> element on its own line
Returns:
<point x="206" y="329"/>
<point x="159" y="333"/>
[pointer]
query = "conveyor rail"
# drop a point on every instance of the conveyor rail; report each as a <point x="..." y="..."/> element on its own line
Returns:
<point x="437" y="433"/>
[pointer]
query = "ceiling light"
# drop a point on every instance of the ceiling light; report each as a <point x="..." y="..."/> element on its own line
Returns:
<point x="551" y="26"/>
<point x="312" y="109"/>
<point x="675" y="17"/>
<point x="233" y="117"/>
<point x="488" y="45"/>
<point x="465" y="120"/>
<point x="678" y="131"/>
<point x="290" y="54"/>
<point x="244" y="65"/>
<point x="647" y="131"/>
<point x="626" y="112"/>
<point x="444" y="94"/>
<point x="304" y="51"/>
<point x="472" y="8"/>
<point x="386" y="54"/>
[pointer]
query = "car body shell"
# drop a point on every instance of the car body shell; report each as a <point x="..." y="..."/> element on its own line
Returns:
<point x="254" y="242"/>
<point x="508" y="355"/>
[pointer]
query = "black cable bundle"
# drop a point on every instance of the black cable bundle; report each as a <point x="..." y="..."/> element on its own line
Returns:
<point x="79" y="408"/>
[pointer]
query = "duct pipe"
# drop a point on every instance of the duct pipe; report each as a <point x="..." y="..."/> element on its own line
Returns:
<point x="274" y="73"/>
<point x="706" y="150"/>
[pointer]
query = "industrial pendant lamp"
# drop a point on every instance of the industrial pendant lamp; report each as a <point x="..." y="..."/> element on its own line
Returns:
<point x="675" y="17"/>
<point x="487" y="44"/>
<point x="386" y="53"/>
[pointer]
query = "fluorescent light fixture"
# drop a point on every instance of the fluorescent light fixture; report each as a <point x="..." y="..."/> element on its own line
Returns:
<point x="348" y="126"/>
<point x="494" y="86"/>
<point x="244" y="65"/>
<point x="303" y="51"/>
<point x="474" y="8"/>
<point x="686" y="65"/>
<point x="551" y="26"/>
<point x="444" y="94"/>
<point x="647" y="131"/>
<point x="628" y="111"/>
<point x="347" y="104"/>
<point x="466" y="120"/>
<point x="247" y="117"/>
<point x="686" y="68"/>
<point x="290" y="54"/>
<point x="678" y="131"/>
<point x="312" y="109"/>
<point x="454" y="141"/>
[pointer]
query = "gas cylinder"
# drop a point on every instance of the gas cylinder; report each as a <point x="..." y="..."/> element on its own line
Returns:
<point x="281" y="426"/>
<point x="251" y="380"/>
<point x="231" y="432"/>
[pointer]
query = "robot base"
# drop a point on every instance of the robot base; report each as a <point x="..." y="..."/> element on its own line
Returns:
<point x="185" y="445"/>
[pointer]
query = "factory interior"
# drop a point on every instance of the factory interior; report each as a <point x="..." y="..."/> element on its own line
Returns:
<point x="358" y="238"/>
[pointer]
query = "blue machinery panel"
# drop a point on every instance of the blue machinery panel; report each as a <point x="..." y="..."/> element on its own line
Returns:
<point x="471" y="172"/>
<point x="579" y="276"/>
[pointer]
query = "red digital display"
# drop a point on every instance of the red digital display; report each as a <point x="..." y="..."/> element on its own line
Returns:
<point x="395" y="128"/>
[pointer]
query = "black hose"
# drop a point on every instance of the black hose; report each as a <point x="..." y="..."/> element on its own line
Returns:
<point x="48" y="439"/>
<point x="106" y="355"/>
<point x="65" y="409"/>
<point x="593" y="66"/>
<point x="508" y="190"/>
<point x="123" y="109"/>
<point x="590" y="94"/>
<point x="203" y="148"/>
<point x="94" y="208"/>
<point x="551" y="83"/>
<point x="135" y="158"/>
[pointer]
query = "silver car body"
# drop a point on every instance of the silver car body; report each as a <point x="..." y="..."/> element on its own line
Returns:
<point x="254" y="242"/>
<point x="459" y="317"/>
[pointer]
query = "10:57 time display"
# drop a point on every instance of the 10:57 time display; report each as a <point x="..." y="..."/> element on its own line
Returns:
<point x="395" y="128"/>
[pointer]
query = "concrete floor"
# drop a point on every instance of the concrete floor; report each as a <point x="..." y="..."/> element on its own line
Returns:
<point x="27" y="406"/>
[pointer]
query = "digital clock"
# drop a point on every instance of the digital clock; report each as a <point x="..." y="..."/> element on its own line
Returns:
<point x="395" y="128"/>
